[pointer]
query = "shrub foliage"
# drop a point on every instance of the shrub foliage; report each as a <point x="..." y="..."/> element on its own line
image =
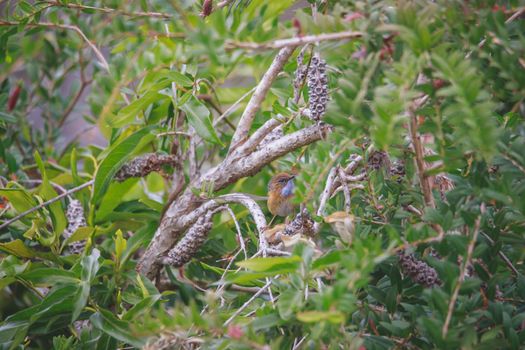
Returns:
<point x="421" y="246"/>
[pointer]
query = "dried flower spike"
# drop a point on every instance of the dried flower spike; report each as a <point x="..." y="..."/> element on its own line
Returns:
<point x="302" y="224"/>
<point x="317" y="87"/>
<point x="144" y="164"/>
<point x="188" y="246"/>
<point x="300" y="74"/>
<point x="75" y="219"/>
<point x="397" y="170"/>
<point x="419" y="271"/>
<point x="378" y="159"/>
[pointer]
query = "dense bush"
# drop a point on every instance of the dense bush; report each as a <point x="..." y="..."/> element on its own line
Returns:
<point x="403" y="122"/>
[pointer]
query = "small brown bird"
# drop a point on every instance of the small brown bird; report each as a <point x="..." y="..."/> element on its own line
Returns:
<point x="280" y="193"/>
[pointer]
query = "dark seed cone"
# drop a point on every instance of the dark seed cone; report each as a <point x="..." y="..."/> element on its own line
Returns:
<point x="378" y="159"/>
<point x="188" y="246"/>
<point x="397" y="170"/>
<point x="302" y="224"/>
<point x="444" y="184"/>
<point x="300" y="75"/>
<point x="317" y="87"/>
<point x="419" y="271"/>
<point x="75" y="219"/>
<point x="144" y="164"/>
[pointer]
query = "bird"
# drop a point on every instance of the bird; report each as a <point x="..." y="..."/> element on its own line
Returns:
<point x="280" y="194"/>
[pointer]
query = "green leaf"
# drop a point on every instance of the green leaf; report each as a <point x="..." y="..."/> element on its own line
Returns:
<point x="81" y="297"/>
<point x="25" y="6"/>
<point x="50" y="276"/>
<point x="8" y="118"/>
<point x="327" y="260"/>
<point x="247" y="277"/>
<point x="142" y="306"/>
<point x="13" y="330"/>
<point x="117" y="155"/>
<point x="80" y="234"/>
<point x="127" y="114"/>
<point x="90" y="265"/>
<point x="48" y="192"/>
<point x="179" y="78"/>
<point x="19" y="198"/>
<point x="120" y="246"/>
<point x="396" y="327"/>
<point x="199" y="118"/>
<point x="118" y="329"/>
<point x="273" y="264"/>
<point x="289" y="301"/>
<point x="319" y="316"/>
<point x="18" y="248"/>
<point x="4" y="282"/>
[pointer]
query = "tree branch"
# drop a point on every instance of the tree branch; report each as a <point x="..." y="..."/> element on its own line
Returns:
<point x="258" y="96"/>
<point x="245" y="305"/>
<point x="110" y="10"/>
<point x="294" y="42"/>
<point x="187" y="208"/>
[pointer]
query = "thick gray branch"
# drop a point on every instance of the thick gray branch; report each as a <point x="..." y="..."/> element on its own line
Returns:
<point x="187" y="208"/>
<point x="241" y="133"/>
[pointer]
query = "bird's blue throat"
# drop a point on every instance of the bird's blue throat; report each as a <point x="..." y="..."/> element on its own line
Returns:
<point x="287" y="190"/>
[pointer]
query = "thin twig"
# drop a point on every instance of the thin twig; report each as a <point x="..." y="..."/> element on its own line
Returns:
<point x="233" y="107"/>
<point x="173" y="133"/>
<point x="245" y="305"/>
<point x="516" y="14"/>
<point x="346" y="190"/>
<point x="76" y="29"/>
<point x="327" y="189"/>
<point x="110" y="10"/>
<point x="420" y="162"/>
<point x="294" y="42"/>
<point x="238" y="228"/>
<point x="298" y="344"/>
<point x="419" y="158"/>
<point x="513" y="162"/>
<point x="470" y="251"/>
<point x="83" y="84"/>
<point x="502" y="255"/>
<point x="278" y="252"/>
<point x="46" y="203"/>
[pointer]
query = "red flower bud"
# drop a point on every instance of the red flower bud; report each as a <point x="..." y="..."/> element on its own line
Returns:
<point x="235" y="332"/>
<point x="13" y="98"/>
<point x="207" y="7"/>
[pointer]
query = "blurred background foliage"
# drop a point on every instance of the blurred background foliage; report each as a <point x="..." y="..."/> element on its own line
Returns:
<point x="85" y="86"/>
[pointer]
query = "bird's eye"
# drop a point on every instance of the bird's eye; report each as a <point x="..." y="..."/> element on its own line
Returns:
<point x="283" y="181"/>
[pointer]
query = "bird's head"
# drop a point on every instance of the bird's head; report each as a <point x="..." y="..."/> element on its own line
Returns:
<point x="282" y="184"/>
